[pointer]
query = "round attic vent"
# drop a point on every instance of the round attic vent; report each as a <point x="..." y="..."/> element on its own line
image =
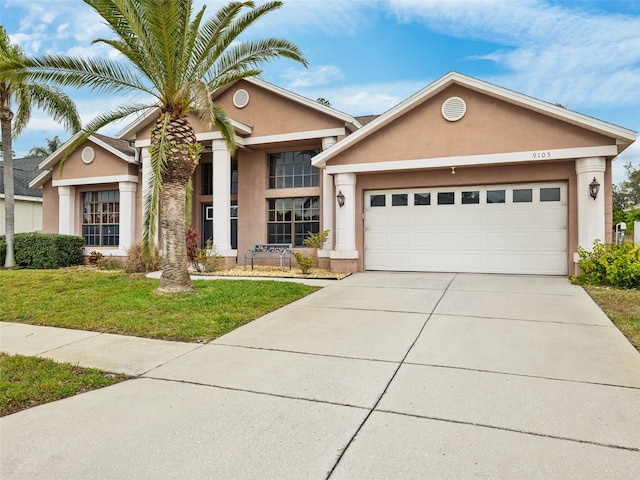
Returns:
<point x="454" y="108"/>
<point x="88" y="154"/>
<point x="241" y="98"/>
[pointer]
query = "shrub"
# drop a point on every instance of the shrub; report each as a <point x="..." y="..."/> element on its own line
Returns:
<point x="3" y="250"/>
<point x="191" y="239"/>
<point x="610" y="264"/>
<point x="305" y="263"/>
<point x="94" y="257"/>
<point x="136" y="264"/>
<point x="108" y="263"/>
<point x="315" y="241"/>
<point x="45" y="250"/>
<point x="206" y="259"/>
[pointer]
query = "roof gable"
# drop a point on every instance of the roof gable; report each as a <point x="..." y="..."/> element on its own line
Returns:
<point x="120" y="149"/>
<point x="245" y="127"/>
<point x="623" y="137"/>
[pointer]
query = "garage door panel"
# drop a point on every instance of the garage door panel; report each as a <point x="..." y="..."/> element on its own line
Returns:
<point x="528" y="237"/>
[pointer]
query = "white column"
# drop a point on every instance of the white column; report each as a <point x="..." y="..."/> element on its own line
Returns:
<point x="345" y="217"/>
<point x="127" y="214"/>
<point x="67" y="210"/>
<point x="222" y="199"/>
<point x="590" y="211"/>
<point x="328" y="200"/>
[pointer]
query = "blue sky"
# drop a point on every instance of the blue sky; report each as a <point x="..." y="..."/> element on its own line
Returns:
<point x="367" y="55"/>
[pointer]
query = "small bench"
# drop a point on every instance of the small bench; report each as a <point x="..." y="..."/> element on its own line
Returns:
<point x="269" y="250"/>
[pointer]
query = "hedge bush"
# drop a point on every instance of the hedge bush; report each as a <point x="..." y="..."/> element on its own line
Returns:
<point x="44" y="250"/>
<point x="610" y="264"/>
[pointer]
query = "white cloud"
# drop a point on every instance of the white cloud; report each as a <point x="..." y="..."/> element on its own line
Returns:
<point x="581" y="58"/>
<point x="297" y="78"/>
<point x="366" y="99"/>
<point x="630" y="155"/>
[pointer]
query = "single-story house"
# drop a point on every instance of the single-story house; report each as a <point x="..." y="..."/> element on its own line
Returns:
<point x="463" y="176"/>
<point x="27" y="201"/>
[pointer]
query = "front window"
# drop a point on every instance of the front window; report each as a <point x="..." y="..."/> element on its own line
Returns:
<point x="293" y="169"/>
<point x="291" y="219"/>
<point x="101" y="218"/>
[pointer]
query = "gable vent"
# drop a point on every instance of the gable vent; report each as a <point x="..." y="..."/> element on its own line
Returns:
<point x="241" y="98"/>
<point x="454" y="108"/>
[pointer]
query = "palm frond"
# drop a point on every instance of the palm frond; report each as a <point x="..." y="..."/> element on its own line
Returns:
<point x="102" y="75"/>
<point x="158" y="152"/>
<point x="23" y="112"/>
<point x="97" y="123"/>
<point x="57" y="104"/>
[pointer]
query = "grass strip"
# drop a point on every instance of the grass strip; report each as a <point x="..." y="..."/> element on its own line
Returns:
<point x="622" y="307"/>
<point x="126" y="304"/>
<point x="26" y="382"/>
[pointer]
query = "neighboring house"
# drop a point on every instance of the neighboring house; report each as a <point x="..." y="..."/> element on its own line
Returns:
<point x="27" y="201"/>
<point x="463" y="176"/>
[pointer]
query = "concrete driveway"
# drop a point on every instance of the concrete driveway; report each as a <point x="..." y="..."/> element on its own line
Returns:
<point x="378" y="376"/>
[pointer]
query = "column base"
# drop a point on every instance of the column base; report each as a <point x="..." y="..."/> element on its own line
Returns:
<point x="344" y="265"/>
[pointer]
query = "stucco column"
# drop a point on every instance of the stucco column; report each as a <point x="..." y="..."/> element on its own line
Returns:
<point x="590" y="212"/>
<point x="345" y="217"/>
<point x="127" y="214"/>
<point x="328" y="200"/>
<point x="67" y="210"/>
<point x="222" y="199"/>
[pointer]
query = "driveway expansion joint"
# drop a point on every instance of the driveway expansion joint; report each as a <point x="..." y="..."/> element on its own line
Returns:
<point x="524" y="375"/>
<point x="313" y="354"/>
<point x="256" y="392"/>
<point x="514" y="430"/>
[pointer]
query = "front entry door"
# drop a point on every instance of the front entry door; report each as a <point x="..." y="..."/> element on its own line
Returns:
<point x="207" y="223"/>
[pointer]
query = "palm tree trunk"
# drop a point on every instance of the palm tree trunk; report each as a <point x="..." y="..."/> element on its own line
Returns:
<point x="182" y="160"/>
<point x="175" y="273"/>
<point x="9" y="202"/>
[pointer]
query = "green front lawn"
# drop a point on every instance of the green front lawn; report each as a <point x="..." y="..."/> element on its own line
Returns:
<point x="29" y="381"/>
<point x="622" y="307"/>
<point x="126" y="304"/>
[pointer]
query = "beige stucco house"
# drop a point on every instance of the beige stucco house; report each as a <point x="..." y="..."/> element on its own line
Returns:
<point x="463" y="176"/>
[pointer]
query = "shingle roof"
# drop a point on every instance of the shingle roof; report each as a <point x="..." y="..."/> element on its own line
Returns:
<point x="24" y="170"/>
<point x="364" y="119"/>
<point x="120" y="145"/>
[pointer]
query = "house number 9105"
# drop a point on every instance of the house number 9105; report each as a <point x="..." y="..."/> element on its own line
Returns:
<point x="541" y="154"/>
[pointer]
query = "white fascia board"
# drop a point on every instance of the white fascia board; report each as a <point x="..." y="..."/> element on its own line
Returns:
<point x="476" y="160"/>
<point x="265" y="139"/>
<point x="24" y="198"/>
<point x="56" y="156"/>
<point x="74" y="182"/>
<point x="127" y="132"/>
<point x="116" y="152"/>
<point x="293" y="136"/>
<point x="625" y="135"/>
<point x="40" y="180"/>
<point x="348" y="119"/>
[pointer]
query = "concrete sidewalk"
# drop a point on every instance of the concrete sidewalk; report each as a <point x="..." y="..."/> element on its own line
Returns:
<point x="380" y="375"/>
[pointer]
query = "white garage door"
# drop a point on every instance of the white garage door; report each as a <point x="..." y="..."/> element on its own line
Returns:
<point x="485" y="229"/>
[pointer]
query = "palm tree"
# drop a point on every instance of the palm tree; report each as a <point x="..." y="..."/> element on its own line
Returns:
<point x="177" y="59"/>
<point x="53" y="144"/>
<point x="26" y="95"/>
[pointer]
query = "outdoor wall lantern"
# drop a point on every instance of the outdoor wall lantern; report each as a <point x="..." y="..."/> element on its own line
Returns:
<point x="594" y="188"/>
<point x="340" y="198"/>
